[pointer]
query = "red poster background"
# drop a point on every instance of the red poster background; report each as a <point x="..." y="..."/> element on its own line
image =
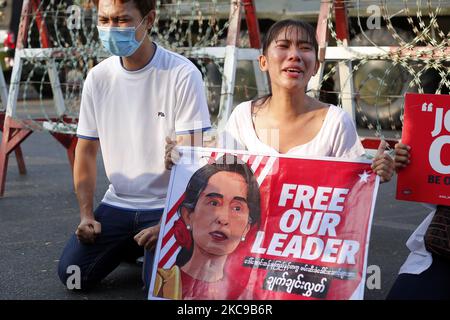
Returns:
<point x="245" y="282"/>
<point x="414" y="183"/>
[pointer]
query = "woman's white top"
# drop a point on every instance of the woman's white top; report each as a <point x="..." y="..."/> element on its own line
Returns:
<point x="336" y="138"/>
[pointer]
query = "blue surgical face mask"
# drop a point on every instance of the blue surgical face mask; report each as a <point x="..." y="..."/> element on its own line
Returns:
<point x="120" y="41"/>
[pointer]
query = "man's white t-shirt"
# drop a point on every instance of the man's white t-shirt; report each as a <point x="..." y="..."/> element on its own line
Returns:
<point x="336" y="138"/>
<point x="131" y="113"/>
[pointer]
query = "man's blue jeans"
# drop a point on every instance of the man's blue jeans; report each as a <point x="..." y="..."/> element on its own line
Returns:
<point x="114" y="245"/>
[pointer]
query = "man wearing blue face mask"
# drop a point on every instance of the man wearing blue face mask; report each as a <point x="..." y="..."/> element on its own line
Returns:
<point x="120" y="41"/>
<point x="130" y="103"/>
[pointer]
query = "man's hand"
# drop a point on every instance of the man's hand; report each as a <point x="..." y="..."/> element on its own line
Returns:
<point x="147" y="237"/>
<point x="172" y="154"/>
<point x="88" y="230"/>
<point x="402" y="155"/>
<point x="383" y="164"/>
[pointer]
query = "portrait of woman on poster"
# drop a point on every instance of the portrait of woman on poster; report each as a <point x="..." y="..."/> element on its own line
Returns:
<point x="221" y="204"/>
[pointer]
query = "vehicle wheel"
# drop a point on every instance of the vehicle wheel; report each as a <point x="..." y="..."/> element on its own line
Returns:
<point x="380" y="85"/>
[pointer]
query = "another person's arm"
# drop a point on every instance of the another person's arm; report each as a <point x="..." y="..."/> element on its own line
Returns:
<point x="85" y="172"/>
<point x="402" y="155"/>
<point x="383" y="164"/>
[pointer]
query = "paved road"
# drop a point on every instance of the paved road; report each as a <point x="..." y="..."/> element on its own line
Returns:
<point x="39" y="212"/>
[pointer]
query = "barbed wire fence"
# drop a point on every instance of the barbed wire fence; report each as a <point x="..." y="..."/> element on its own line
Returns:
<point x="396" y="47"/>
<point x="62" y="46"/>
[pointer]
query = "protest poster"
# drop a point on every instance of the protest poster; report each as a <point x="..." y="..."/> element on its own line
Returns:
<point x="426" y="129"/>
<point x="246" y="226"/>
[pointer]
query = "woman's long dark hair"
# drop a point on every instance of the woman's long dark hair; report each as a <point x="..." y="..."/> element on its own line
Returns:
<point x="199" y="181"/>
<point x="302" y="28"/>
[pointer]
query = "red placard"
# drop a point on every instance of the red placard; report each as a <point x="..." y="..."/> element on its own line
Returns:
<point x="426" y="128"/>
<point x="309" y="241"/>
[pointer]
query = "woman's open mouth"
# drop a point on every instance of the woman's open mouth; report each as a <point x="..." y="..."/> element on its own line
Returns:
<point x="293" y="72"/>
<point x="218" y="236"/>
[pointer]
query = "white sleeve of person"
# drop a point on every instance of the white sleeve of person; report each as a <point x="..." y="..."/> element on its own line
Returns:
<point x="87" y="124"/>
<point x="346" y="142"/>
<point x="191" y="111"/>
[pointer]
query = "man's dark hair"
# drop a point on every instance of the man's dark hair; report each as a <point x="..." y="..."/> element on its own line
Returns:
<point x="199" y="181"/>
<point x="144" y="6"/>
